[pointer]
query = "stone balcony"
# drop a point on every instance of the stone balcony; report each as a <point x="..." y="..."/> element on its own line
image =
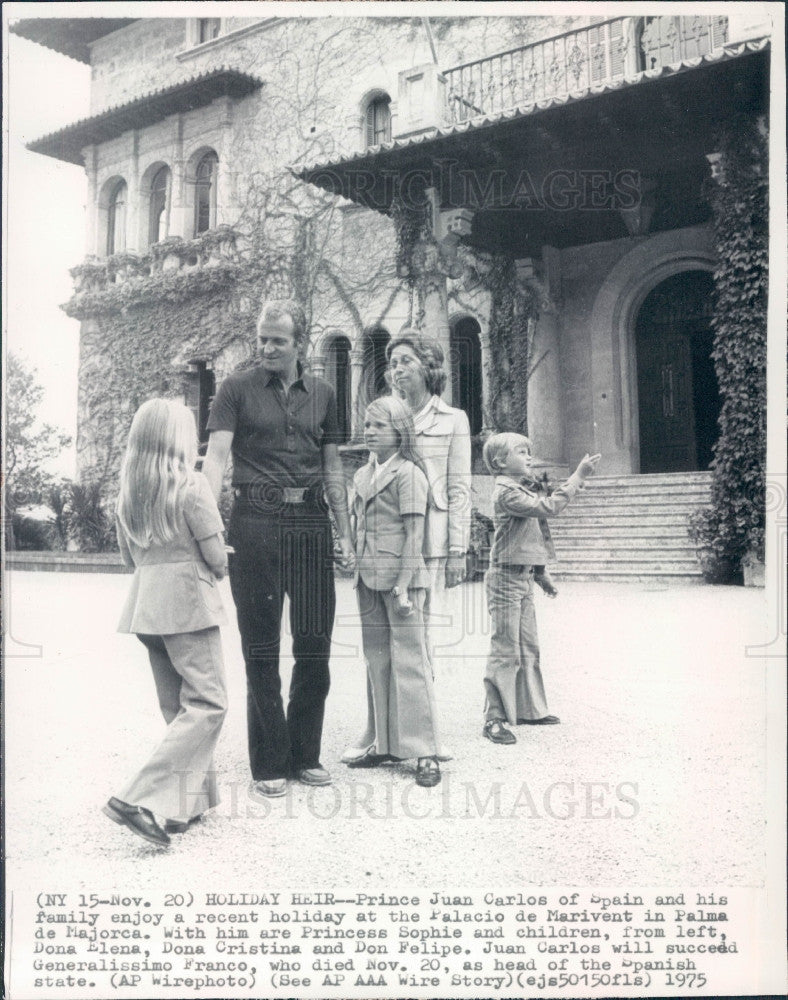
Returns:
<point x="597" y="55"/>
<point x="167" y="268"/>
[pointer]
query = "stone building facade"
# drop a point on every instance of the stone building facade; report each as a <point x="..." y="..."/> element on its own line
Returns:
<point x="231" y="158"/>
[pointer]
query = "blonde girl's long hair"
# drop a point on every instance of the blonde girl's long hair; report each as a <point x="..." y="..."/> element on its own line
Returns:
<point x="158" y="465"/>
<point x="402" y="421"/>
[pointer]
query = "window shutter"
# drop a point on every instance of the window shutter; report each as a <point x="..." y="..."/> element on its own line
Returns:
<point x="719" y="31"/>
<point x="370" y="128"/>
<point x="616" y="49"/>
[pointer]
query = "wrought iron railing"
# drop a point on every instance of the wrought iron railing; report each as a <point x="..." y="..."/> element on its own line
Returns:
<point x="576" y="60"/>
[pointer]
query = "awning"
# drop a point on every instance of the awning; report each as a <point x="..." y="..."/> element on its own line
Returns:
<point x="688" y="98"/>
<point x="67" y="143"/>
<point x="71" y="36"/>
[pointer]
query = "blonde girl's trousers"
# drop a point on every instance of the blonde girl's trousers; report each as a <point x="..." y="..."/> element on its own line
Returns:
<point x="178" y="781"/>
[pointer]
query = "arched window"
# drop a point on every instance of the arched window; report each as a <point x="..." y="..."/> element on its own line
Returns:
<point x="116" y="219"/>
<point x="378" y="121"/>
<point x="205" y="193"/>
<point x="158" y="205"/>
<point x="466" y="370"/>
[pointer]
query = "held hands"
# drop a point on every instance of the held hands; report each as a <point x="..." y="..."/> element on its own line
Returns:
<point x="347" y="558"/>
<point x="587" y="465"/>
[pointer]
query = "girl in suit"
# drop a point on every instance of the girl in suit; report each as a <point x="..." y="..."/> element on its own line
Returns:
<point x="170" y="532"/>
<point x="443" y="437"/>
<point x="389" y="506"/>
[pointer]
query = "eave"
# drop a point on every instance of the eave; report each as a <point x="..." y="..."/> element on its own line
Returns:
<point x="67" y="143"/>
<point x="71" y="36"/>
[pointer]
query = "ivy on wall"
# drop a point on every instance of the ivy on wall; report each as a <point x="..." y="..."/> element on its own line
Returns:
<point x="734" y="524"/>
<point x="514" y="308"/>
<point x="139" y="333"/>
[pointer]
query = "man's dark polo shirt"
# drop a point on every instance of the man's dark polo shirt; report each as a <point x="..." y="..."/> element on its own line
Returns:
<point x="277" y="438"/>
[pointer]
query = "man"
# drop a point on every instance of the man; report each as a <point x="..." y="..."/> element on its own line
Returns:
<point x="281" y="426"/>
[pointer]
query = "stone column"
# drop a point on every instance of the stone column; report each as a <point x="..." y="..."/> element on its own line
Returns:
<point x="484" y="343"/>
<point x="91" y="169"/>
<point x="545" y="412"/>
<point x="134" y="240"/>
<point x="176" y="217"/>
<point x="435" y="322"/>
<point x="356" y="402"/>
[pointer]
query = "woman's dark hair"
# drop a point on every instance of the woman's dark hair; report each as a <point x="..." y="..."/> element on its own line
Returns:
<point x="430" y="354"/>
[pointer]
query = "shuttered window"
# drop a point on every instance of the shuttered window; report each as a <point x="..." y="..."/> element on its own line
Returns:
<point x="378" y="121"/>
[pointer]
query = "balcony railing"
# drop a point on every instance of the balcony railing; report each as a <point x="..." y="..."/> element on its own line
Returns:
<point x="597" y="54"/>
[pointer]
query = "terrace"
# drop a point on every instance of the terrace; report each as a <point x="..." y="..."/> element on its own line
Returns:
<point x="597" y="55"/>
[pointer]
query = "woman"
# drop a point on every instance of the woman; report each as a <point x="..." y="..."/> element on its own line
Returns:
<point x="443" y="437"/>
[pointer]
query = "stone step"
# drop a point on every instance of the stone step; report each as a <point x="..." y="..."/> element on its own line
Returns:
<point x="647" y="535"/>
<point x="649" y="560"/>
<point x="607" y="549"/>
<point x="672" y="479"/>
<point x="635" y="495"/>
<point x="613" y="517"/>
<point x="659" y="505"/>
<point x="611" y="576"/>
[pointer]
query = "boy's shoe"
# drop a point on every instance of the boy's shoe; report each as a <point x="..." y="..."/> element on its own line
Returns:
<point x="496" y="732"/>
<point x="546" y="720"/>
<point x="545" y="581"/>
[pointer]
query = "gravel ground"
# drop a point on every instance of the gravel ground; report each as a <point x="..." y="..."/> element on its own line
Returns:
<point x="655" y="777"/>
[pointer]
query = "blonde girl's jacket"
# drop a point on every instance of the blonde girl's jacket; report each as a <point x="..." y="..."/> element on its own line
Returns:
<point x="172" y="589"/>
<point x="378" y="506"/>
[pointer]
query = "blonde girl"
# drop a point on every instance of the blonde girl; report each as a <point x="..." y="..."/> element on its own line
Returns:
<point x="170" y="532"/>
<point x="391" y="493"/>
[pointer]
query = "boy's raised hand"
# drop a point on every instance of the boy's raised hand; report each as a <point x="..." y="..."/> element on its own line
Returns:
<point x="587" y="465"/>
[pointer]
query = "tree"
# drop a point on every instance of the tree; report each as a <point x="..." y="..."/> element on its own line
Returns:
<point x="29" y="445"/>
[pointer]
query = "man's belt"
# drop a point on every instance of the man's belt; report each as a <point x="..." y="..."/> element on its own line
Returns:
<point x="271" y="496"/>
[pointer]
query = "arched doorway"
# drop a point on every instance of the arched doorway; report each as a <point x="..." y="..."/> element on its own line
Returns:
<point x="337" y="372"/>
<point x="466" y="370"/>
<point x="678" y="396"/>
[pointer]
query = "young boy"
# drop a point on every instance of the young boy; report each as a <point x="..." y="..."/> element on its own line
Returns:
<point x="514" y="691"/>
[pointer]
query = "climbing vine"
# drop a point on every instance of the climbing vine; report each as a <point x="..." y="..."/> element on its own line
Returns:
<point x="514" y="310"/>
<point x="735" y="522"/>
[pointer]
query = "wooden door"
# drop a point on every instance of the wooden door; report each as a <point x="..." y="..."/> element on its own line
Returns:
<point x="667" y="424"/>
<point x="678" y="401"/>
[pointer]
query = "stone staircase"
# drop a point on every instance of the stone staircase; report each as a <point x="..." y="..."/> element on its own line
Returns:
<point x="631" y="529"/>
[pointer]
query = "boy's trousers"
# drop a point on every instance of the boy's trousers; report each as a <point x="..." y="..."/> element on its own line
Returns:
<point x="513" y="681"/>
<point x="178" y="781"/>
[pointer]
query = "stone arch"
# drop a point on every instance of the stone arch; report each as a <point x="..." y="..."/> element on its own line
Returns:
<point x="146" y="181"/>
<point x="190" y="187"/>
<point x="370" y="97"/>
<point x="614" y="403"/>
<point x="465" y="367"/>
<point x="106" y="194"/>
